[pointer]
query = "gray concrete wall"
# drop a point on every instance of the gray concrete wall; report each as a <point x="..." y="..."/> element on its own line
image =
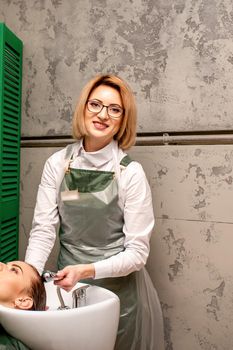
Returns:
<point x="178" y="57"/>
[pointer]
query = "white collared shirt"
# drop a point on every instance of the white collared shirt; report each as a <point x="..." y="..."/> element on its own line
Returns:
<point x="134" y="199"/>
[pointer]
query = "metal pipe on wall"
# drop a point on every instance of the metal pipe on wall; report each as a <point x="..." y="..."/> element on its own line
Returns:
<point x="141" y="140"/>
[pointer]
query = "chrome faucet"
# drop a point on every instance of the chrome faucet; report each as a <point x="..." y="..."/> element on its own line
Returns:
<point x="79" y="296"/>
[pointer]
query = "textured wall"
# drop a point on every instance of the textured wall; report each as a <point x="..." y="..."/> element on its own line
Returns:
<point x="191" y="249"/>
<point x="176" y="54"/>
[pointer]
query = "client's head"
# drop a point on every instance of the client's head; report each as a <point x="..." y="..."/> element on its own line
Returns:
<point x="21" y="286"/>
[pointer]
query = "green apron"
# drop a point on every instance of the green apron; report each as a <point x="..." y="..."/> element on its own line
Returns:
<point x="9" y="343"/>
<point x="90" y="231"/>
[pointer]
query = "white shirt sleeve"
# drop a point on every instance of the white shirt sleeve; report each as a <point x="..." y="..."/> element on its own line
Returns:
<point x="138" y="225"/>
<point x="46" y="216"/>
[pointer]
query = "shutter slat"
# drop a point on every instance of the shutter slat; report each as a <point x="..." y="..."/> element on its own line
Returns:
<point x="14" y="92"/>
<point x="11" y="96"/>
<point x="9" y="82"/>
<point x="11" y="100"/>
<point x="9" y="114"/>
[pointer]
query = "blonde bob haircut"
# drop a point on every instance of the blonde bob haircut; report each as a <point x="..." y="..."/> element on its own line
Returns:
<point x="127" y="132"/>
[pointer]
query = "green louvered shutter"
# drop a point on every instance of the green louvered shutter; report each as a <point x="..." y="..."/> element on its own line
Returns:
<point x="11" y="49"/>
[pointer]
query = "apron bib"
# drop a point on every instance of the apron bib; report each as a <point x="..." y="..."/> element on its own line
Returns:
<point x="91" y="230"/>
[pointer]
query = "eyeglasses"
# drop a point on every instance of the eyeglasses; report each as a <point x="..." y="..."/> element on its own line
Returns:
<point x="114" y="111"/>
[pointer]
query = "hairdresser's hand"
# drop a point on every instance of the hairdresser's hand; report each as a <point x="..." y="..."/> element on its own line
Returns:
<point x="70" y="275"/>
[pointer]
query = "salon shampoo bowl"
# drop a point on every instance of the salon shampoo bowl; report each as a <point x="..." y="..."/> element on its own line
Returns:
<point x="90" y="327"/>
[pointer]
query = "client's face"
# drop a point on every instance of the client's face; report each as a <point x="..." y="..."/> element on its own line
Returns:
<point x="15" y="281"/>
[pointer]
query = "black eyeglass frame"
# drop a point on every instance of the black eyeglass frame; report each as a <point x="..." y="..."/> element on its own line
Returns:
<point x="107" y="107"/>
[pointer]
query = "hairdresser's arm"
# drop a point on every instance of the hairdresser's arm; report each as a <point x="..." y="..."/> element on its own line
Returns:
<point x="46" y="217"/>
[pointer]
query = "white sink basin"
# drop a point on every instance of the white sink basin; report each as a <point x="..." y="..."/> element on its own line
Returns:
<point x="90" y="327"/>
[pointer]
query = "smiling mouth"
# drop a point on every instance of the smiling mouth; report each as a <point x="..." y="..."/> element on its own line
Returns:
<point x="100" y="126"/>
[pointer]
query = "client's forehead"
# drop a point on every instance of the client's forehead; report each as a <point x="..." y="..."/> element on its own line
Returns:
<point x="25" y="268"/>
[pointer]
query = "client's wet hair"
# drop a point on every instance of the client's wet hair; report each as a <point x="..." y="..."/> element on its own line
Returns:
<point x="37" y="292"/>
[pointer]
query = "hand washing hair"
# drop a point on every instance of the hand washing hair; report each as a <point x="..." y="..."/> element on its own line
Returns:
<point x="37" y="292"/>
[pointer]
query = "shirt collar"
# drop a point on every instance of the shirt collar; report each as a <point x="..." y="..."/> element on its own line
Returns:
<point x="98" y="158"/>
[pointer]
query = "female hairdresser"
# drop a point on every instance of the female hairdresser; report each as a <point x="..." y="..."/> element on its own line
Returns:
<point x="102" y="202"/>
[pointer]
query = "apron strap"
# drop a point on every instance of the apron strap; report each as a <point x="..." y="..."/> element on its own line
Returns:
<point x="67" y="159"/>
<point x="69" y="151"/>
<point x="126" y="160"/>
